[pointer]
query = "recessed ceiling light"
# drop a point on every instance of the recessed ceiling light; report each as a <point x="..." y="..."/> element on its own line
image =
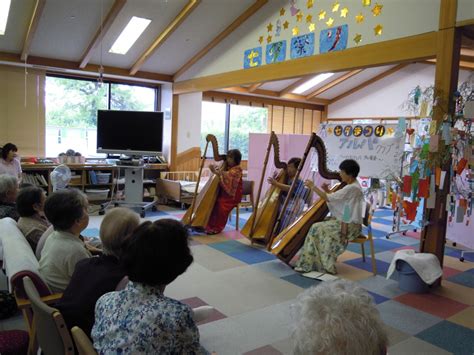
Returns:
<point x="312" y="82"/>
<point x="4" y="10"/>
<point x="129" y="35"/>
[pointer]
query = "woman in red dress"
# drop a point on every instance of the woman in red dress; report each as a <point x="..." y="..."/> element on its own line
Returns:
<point x="230" y="191"/>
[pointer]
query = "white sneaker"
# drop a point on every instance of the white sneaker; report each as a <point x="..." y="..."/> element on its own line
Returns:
<point x="202" y="313"/>
<point x="298" y="269"/>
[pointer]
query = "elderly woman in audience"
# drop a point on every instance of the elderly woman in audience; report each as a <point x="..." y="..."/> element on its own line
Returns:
<point x="30" y="207"/>
<point x="8" y="192"/>
<point x="338" y="318"/>
<point x="9" y="162"/>
<point x="140" y="319"/>
<point x="67" y="212"/>
<point x="94" y="277"/>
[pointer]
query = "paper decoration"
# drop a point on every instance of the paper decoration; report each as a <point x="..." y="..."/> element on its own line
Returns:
<point x="437" y="175"/>
<point x="333" y="39"/>
<point x="293" y="9"/>
<point x="295" y="31"/>
<point x="311" y="27"/>
<point x="423" y="188"/>
<point x="366" y="2"/>
<point x="402" y="124"/>
<point x="309" y="18"/>
<point x="359" y="18"/>
<point x="357" y="38"/>
<point x="460" y="212"/>
<point x="278" y="28"/>
<point x="434" y="143"/>
<point x="424" y="109"/>
<point x="335" y="7"/>
<point x="344" y="12"/>
<point x="282" y="11"/>
<point x="377" y="10"/>
<point x="441" y="180"/>
<point x="379" y="131"/>
<point x="269" y="27"/>
<point x="269" y="39"/>
<point x="285" y="25"/>
<point x="299" y="16"/>
<point x="432" y="130"/>
<point x="260" y="39"/>
<point x="322" y="15"/>
<point x="407" y="184"/>
<point x="410" y="209"/>
<point x="302" y="46"/>
<point x="275" y="52"/>
<point x="368" y="131"/>
<point x="431" y="200"/>
<point x="309" y="4"/>
<point x="330" y="22"/>
<point x="378" y="30"/>
<point x="461" y="165"/>
<point x="413" y="166"/>
<point x="347" y="131"/>
<point x="253" y="57"/>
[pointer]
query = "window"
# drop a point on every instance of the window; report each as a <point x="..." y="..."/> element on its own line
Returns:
<point x="231" y="124"/>
<point x="71" y="110"/>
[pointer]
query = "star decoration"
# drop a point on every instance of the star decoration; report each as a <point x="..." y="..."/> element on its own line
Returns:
<point x="285" y="25"/>
<point x="378" y="30"/>
<point x="311" y="27"/>
<point x="335" y="7"/>
<point x="270" y="27"/>
<point x="269" y="39"/>
<point x="299" y="16"/>
<point x="344" y="12"/>
<point x="260" y="39"/>
<point x="309" y="18"/>
<point x="357" y="38"/>
<point x="360" y="18"/>
<point x="366" y="2"/>
<point x="377" y="10"/>
<point x="295" y="31"/>
<point x="309" y="4"/>
<point x="330" y="22"/>
<point x="282" y="11"/>
<point x="322" y="15"/>
<point x="390" y="130"/>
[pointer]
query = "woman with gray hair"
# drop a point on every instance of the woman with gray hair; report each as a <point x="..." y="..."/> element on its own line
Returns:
<point x="8" y="192"/>
<point x="338" y="318"/>
<point x="98" y="275"/>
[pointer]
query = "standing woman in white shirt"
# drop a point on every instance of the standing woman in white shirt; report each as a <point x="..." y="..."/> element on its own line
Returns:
<point x="327" y="240"/>
<point x="9" y="162"/>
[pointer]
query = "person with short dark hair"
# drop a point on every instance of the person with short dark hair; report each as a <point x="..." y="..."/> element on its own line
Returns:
<point x="8" y="193"/>
<point x="67" y="212"/>
<point x="230" y="191"/>
<point x="30" y="206"/>
<point x="9" y="162"/>
<point x="326" y="240"/>
<point x="140" y="319"/>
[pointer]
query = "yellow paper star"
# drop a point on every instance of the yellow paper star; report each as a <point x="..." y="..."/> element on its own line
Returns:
<point x="282" y="11"/>
<point x="378" y="30"/>
<point x="360" y="18"/>
<point x="309" y="18"/>
<point x="270" y="27"/>
<point x="260" y="39"/>
<point x="357" y="38"/>
<point x="311" y="27"/>
<point x="286" y="24"/>
<point x="322" y="15"/>
<point x="366" y="2"/>
<point x="299" y="16"/>
<point x="309" y="4"/>
<point x="295" y="31"/>
<point x="390" y="130"/>
<point x="377" y="10"/>
<point x="330" y="22"/>
<point x="269" y="39"/>
<point x="344" y="12"/>
<point x="335" y="7"/>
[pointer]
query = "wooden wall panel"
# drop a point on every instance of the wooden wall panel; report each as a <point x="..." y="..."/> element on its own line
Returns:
<point x="289" y="120"/>
<point x="299" y="118"/>
<point x="277" y="123"/>
<point x="316" y="120"/>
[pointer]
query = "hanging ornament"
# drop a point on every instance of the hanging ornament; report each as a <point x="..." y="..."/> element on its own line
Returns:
<point x="335" y="7"/>
<point x="295" y="31"/>
<point x="270" y="27"/>
<point x="330" y="22"/>
<point x="269" y="39"/>
<point x="357" y="38"/>
<point x="309" y="4"/>
<point x="359" y="18"/>
<point x="322" y="15"/>
<point x="278" y="28"/>
<point x="377" y="10"/>
<point x="417" y="95"/>
<point x="344" y="12"/>
<point x="282" y="11"/>
<point x="378" y="30"/>
<point x="293" y="9"/>
<point x="311" y="27"/>
<point x="366" y="2"/>
<point x="309" y="18"/>
<point x="299" y="17"/>
<point x="260" y="39"/>
<point x="285" y="25"/>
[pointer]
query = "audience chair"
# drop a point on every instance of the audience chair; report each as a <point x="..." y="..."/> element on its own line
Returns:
<point x="247" y="199"/>
<point x="48" y="324"/>
<point x="83" y="343"/>
<point x="364" y="238"/>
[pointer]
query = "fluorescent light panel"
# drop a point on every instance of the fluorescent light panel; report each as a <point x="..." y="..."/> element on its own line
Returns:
<point x="312" y="82"/>
<point x="4" y="10"/>
<point x="129" y="35"/>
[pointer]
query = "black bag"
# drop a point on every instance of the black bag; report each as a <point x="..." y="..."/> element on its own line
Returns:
<point x="8" y="306"/>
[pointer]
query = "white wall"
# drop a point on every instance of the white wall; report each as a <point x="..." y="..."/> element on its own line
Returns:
<point x="166" y="103"/>
<point x="465" y="10"/>
<point x="385" y="97"/>
<point x="189" y="121"/>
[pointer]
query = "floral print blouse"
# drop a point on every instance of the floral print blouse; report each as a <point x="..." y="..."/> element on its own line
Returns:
<point x="141" y="320"/>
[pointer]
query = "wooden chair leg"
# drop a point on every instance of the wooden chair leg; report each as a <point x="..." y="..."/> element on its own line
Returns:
<point x="363" y="252"/>
<point x="372" y="255"/>
<point x="237" y="218"/>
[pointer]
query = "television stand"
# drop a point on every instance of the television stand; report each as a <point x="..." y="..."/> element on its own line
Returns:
<point x="133" y="191"/>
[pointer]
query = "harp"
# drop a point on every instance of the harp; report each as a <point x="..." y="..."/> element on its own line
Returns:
<point x="203" y="202"/>
<point x="287" y="243"/>
<point x="259" y="226"/>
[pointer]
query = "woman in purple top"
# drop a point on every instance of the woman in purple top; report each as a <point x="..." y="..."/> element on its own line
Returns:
<point x="9" y="162"/>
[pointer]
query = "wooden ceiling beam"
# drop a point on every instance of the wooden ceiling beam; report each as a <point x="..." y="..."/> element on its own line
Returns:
<point x="99" y="35"/>
<point x="30" y="34"/>
<point x="62" y="66"/>
<point x="289" y="89"/>
<point x="370" y="81"/>
<point x="462" y="64"/>
<point x="332" y="84"/>
<point x="218" y="39"/>
<point x="163" y="36"/>
<point x="254" y="87"/>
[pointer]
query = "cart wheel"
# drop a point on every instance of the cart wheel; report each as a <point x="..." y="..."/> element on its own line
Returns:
<point x="404" y="233"/>
<point x="454" y="244"/>
<point x="142" y="214"/>
<point x="101" y="212"/>
<point x="461" y="259"/>
<point x="154" y="209"/>
<point x="387" y="237"/>
<point x="116" y="204"/>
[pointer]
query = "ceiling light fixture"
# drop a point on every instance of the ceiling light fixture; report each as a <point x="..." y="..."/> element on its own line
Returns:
<point x="4" y="10"/>
<point x="129" y="35"/>
<point x="312" y="83"/>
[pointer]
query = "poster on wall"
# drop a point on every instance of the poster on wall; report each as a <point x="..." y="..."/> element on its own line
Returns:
<point x="253" y="57"/>
<point x="378" y="148"/>
<point x="302" y="46"/>
<point x="333" y="39"/>
<point x="276" y="52"/>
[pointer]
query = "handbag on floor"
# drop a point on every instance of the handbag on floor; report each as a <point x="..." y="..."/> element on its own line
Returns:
<point x="8" y="306"/>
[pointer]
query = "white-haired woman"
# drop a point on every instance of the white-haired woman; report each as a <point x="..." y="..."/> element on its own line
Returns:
<point x="8" y="192"/>
<point x="337" y="318"/>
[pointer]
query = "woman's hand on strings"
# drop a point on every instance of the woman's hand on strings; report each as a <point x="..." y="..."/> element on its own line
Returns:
<point x="271" y="181"/>
<point x="214" y="169"/>
<point x="325" y="187"/>
<point x="309" y="184"/>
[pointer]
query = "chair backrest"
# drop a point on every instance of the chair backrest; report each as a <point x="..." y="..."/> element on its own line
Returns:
<point x="51" y="330"/>
<point x="19" y="260"/>
<point x="247" y="187"/>
<point x="83" y="344"/>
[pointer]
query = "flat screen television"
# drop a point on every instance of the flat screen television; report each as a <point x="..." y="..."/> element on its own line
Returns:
<point x="129" y="132"/>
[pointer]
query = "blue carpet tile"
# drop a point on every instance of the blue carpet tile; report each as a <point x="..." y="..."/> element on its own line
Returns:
<point x="384" y="245"/>
<point x="378" y="298"/>
<point x="90" y="232"/>
<point x="230" y="246"/>
<point x="456" y="253"/>
<point x="386" y="222"/>
<point x="450" y="336"/>
<point x="382" y="266"/>
<point x="465" y="278"/>
<point x="252" y="256"/>
<point x="383" y="212"/>
<point x="301" y="281"/>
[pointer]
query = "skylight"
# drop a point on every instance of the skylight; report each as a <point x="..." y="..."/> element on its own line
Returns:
<point x="129" y="35"/>
<point x="312" y="82"/>
<point x="4" y="10"/>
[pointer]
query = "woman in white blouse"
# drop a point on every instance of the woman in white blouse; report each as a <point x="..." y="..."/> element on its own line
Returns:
<point x="327" y="240"/>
